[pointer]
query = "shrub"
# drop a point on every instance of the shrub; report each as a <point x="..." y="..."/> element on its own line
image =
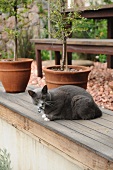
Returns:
<point x="5" y="162"/>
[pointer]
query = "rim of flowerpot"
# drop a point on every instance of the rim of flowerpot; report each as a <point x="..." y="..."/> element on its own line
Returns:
<point x="77" y="71"/>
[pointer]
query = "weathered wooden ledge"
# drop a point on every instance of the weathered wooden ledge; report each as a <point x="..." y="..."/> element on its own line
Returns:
<point x="60" y="145"/>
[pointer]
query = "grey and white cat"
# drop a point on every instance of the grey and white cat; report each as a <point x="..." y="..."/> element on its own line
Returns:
<point x="65" y="102"/>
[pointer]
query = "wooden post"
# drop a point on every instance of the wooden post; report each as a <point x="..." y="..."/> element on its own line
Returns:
<point x="38" y="62"/>
<point x="49" y="27"/>
<point x="57" y="57"/>
<point x="69" y="58"/>
<point x="110" y="35"/>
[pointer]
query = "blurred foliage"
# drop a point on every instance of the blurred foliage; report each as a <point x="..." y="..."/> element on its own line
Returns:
<point x="5" y="162"/>
<point x="10" y="8"/>
<point x="102" y="58"/>
<point x="95" y="29"/>
<point x="26" y="49"/>
<point x="45" y="55"/>
<point x="108" y="1"/>
<point x="6" y="55"/>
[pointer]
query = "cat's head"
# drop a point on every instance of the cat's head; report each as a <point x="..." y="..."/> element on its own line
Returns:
<point x="38" y="95"/>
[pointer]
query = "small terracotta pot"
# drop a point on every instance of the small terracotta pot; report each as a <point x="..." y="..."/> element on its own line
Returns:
<point x="59" y="78"/>
<point x="15" y="75"/>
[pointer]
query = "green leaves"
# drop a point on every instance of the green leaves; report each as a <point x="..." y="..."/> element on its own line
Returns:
<point x="8" y="6"/>
<point x="12" y="9"/>
<point x="5" y="163"/>
<point x="63" y="23"/>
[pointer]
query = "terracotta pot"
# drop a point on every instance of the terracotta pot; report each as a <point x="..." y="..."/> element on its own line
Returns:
<point x="58" y="78"/>
<point x="15" y="75"/>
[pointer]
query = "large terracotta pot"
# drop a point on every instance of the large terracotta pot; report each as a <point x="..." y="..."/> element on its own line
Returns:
<point x="59" y="78"/>
<point x="15" y="75"/>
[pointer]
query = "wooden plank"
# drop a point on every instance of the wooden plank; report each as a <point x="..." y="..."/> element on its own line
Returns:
<point x="89" y="42"/>
<point x="108" y="118"/>
<point x="25" y="101"/>
<point x="78" y="48"/>
<point x="86" y="141"/>
<point x="97" y="127"/>
<point x="75" y="41"/>
<point x="82" y="134"/>
<point x="109" y="112"/>
<point x="12" y="99"/>
<point x="90" y="49"/>
<point x="98" y="14"/>
<point x="105" y="123"/>
<point x="91" y="133"/>
<point x="22" y="96"/>
<point x="74" y="150"/>
<point x="103" y="12"/>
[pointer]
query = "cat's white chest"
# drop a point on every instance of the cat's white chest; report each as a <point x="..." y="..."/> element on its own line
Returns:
<point x="41" y="108"/>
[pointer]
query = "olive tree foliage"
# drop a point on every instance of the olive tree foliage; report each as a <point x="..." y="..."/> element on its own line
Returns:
<point x="62" y="26"/>
<point x="10" y="8"/>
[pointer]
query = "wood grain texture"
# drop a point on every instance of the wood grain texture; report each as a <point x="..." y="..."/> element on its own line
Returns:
<point x="75" y="41"/>
<point x="87" y="143"/>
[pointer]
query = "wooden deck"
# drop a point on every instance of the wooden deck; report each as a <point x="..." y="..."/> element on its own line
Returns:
<point x="88" y="144"/>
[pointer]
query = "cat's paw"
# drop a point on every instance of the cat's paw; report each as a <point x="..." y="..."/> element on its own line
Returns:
<point x="44" y="116"/>
<point x="46" y="119"/>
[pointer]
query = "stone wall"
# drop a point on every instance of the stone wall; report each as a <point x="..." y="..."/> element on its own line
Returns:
<point x="34" y="27"/>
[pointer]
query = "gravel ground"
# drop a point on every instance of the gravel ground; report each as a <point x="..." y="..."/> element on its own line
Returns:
<point x="98" y="84"/>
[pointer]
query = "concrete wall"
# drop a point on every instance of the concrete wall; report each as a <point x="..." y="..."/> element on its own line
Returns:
<point x="28" y="153"/>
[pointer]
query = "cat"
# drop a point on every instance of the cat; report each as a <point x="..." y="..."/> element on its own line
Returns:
<point x="65" y="102"/>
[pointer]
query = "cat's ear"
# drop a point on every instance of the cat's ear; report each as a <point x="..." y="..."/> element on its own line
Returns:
<point x="44" y="89"/>
<point x="31" y="93"/>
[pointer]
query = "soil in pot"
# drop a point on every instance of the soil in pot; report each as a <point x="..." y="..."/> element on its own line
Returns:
<point x="78" y="75"/>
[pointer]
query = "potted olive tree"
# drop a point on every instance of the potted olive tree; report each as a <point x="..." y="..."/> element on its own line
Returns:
<point x="14" y="73"/>
<point x="61" y="75"/>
